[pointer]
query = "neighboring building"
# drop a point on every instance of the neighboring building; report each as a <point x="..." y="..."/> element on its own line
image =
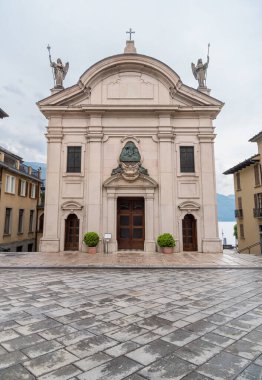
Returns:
<point x="130" y="152"/>
<point x="248" y="200"/>
<point x="2" y="114"/>
<point x="19" y="195"/>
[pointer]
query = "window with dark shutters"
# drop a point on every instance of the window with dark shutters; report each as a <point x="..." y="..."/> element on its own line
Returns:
<point x="238" y="181"/>
<point x="20" y="221"/>
<point x="7" y="226"/>
<point x="257" y="172"/>
<point x="242" y="233"/>
<point x="31" y="219"/>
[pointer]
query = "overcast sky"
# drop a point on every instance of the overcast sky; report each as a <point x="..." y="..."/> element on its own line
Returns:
<point x="173" y="31"/>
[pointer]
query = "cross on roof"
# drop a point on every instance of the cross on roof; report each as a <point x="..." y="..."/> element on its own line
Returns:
<point x="130" y="32"/>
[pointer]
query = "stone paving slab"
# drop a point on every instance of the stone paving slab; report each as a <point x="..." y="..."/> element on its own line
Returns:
<point x="127" y="324"/>
<point x="115" y="369"/>
<point x="137" y="259"/>
<point x="16" y="372"/>
<point x="168" y="368"/>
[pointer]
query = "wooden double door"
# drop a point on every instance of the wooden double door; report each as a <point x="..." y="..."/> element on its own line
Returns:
<point x="72" y="233"/>
<point x="130" y="223"/>
<point x="189" y="233"/>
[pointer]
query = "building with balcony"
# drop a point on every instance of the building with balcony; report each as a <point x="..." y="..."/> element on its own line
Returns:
<point x="248" y="198"/>
<point x="19" y="197"/>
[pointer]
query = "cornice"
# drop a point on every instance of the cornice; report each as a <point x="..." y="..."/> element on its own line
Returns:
<point x="94" y="137"/>
<point x="206" y="137"/>
<point x="54" y="138"/>
<point x="211" y="110"/>
<point x="166" y="136"/>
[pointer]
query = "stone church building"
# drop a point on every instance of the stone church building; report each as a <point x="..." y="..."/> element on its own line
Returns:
<point x="130" y="153"/>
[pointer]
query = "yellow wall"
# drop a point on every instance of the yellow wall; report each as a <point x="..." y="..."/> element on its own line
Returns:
<point x="251" y="224"/>
<point x="16" y="202"/>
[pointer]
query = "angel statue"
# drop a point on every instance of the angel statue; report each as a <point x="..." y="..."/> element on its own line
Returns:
<point x="60" y="70"/>
<point x="200" y="70"/>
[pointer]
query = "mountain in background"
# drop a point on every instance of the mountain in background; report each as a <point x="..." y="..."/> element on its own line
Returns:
<point x="225" y="203"/>
<point x="226" y="208"/>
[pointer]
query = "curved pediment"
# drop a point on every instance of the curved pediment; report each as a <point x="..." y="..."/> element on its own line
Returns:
<point x="189" y="206"/>
<point x="143" y="181"/>
<point x="71" y="205"/>
<point x="132" y="79"/>
<point x="130" y="62"/>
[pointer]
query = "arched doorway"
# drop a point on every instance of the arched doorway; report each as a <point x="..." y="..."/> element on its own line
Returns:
<point x="189" y="233"/>
<point x="72" y="233"/>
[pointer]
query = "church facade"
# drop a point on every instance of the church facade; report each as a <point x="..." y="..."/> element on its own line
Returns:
<point x="130" y="153"/>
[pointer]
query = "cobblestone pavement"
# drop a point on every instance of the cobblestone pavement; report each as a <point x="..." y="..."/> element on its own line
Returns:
<point x="130" y="324"/>
<point x="129" y="259"/>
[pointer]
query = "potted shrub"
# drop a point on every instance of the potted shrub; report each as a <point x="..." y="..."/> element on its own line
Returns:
<point x="91" y="239"/>
<point x="166" y="242"/>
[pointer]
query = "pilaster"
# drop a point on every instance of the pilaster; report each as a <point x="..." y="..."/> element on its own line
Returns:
<point x="166" y="174"/>
<point x="94" y="207"/>
<point x="50" y="241"/>
<point x="210" y="238"/>
<point x="111" y="219"/>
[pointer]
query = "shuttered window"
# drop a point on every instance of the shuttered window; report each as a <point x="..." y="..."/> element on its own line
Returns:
<point x="7" y="226"/>
<point x="33" y="190"/>
<point x="31" y="220"/>
<point x="239" y="200"/>
<point x="22" y="188"/>
<point x="10" y="184"/>
<point x="258" y="200"/>
<point x="241" y="228"/>
<point x="238" y="181"/>
<point x="257" y="173"/>
<point x="20" y="221"/>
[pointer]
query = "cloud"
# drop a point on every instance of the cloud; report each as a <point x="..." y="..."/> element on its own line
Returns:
<point x="13" y="90"/>
<point x="172" y="31"/>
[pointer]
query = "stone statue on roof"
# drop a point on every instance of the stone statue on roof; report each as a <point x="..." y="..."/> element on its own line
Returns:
<point x="59" y="71"/>
<point x="200" y="71"/>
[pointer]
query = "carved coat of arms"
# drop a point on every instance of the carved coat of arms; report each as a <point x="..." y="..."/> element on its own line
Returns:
<point x="130" y="167"/>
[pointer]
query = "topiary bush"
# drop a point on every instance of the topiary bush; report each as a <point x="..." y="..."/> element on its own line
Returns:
<point x="166" y="240"/>
<point x="91" y="239"/>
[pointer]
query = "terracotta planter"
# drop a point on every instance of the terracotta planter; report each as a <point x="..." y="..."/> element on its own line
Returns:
<point x="167" y="249"/>
<point x="91" y="250"/>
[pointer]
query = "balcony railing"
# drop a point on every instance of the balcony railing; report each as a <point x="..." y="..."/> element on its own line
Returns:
<point x="257" y="212"/>
<point x="239" y="213"/>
